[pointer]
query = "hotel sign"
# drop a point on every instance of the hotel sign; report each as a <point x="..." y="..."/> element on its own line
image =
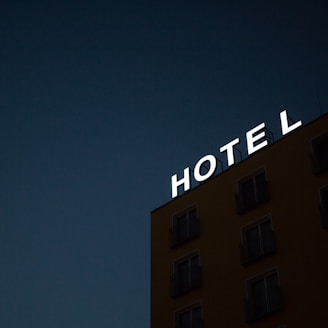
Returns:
<point x="255" y="140"/>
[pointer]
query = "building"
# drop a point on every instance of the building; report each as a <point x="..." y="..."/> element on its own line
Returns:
<point x="248" y="247"/>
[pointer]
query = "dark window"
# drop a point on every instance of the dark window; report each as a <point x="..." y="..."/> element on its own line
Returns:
<point x="191" y="318"/>
<point x="186" y="275"/>
<point x="252" y="192"/>
<point x="185" y="227"/>
<point x="324" y="207"/>
<point x="258" y="241"/>
<point x="320" y="154"/>
<point x="264" y="296"/>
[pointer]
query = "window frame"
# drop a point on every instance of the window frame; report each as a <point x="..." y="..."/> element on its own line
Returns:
<point x="246" y="257"/>
<point x="177" y="287"/>
<point x="317" y="167"/>
<point x="251" y="314"/>
<point x="185" y="309"/>
<point x="192" y="226"/>
<point x="323" y="206"/>
<point x="243" y="205"/>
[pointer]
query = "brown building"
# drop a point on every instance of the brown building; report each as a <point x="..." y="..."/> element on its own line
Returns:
<point x="248" y="247"/>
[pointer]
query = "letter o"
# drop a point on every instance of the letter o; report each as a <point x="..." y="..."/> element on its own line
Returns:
<point x="212" y="161"/>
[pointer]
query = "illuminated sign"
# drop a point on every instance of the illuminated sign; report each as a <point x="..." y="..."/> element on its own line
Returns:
<point x="255" y="140"/>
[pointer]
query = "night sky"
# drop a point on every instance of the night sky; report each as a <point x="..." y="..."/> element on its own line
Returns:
<point x="100" y="103"/>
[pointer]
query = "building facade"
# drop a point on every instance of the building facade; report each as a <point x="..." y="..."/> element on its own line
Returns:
<point x="248" y="247"/>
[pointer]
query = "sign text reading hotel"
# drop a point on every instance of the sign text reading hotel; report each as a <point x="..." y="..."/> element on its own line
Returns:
<point x="255" y="139"/>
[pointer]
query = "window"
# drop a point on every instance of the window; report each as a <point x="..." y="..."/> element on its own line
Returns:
<point x="252" y="191"/>
<point x="324" y="207"/>
<point x="186" y="275"/>
<point x="258" y="240"/>
<point x="320" y="154"/>
<point x="191" y="318"/>
<point x="264" y="296"/>
<point x="185" y="227"/>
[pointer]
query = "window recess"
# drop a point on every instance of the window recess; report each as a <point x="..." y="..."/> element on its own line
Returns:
<point x="324" y="207"/>
<point x="186" y="276"/>
<point x="252" y="192"/>
<point x="189" y="318"/>
<point x="185" y="227"/>
<point x="264" y="296"/>
<point x="258" y="240"/>
<point x="320" y="154"/>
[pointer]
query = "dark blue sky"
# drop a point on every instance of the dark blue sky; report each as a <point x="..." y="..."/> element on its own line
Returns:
<point x="100" y="103"/>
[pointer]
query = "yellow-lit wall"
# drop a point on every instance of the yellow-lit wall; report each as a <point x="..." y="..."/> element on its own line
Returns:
<point x="301" y="255"/>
